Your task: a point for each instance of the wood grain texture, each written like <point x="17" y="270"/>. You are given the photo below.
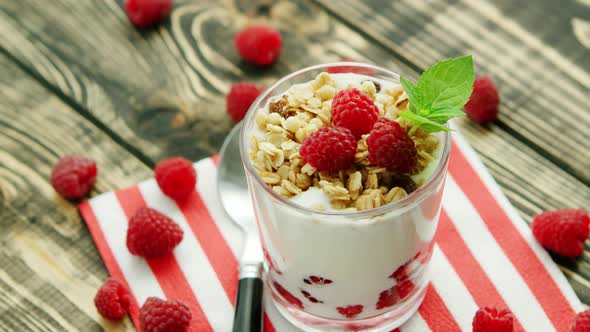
<point x="535" y="53"/>
<point x="49" y="267"/>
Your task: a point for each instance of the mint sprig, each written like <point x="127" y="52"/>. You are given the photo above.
<point x="439" y="95"/>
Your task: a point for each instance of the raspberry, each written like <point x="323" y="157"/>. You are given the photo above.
<point x="582" y="322"/>
<point x="176" y="177"/>
<point x="388" y="298"/>
<point x="73" y="176"/>
<point x="288" y="296"/>
<point x="354" y="110"/>
<point x="159" y="315"/>
<point x="317" y="280"/>
<point x="488" y="319"/>
<point x="112" y="299"/>
<point x="350" y="311"/>
<point x="259" y="44"/>
<point x="240" y="97"/>
<point x="144" y="13"/>
<point x="482" y="106"/>
<point x="562" y="231"/>
<point x="152" y="234"/>
<point x="329" y="149"/>
<point x="390" y="146"/>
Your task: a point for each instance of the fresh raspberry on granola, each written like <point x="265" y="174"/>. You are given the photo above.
<point x="562" y="231"/>
<point x="329" y="149"/>
<point x="240" y="97"/>
<point x="482" y="106"/>
<point x="488" y="319"/>
<point x="581" y="322"/>
<point x="390" y="146"/>
<point x="73" y="177"/>
<point x="144" y="13"/>
<point x="152" y="234"/>
<point x="176" y="177"/>
<point x="159" y="315"/>
<point x="354" y="110"/>
<point x="259" y="44"/>
<point x="112" y="299"/>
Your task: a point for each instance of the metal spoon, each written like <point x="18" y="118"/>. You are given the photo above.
<point x="235" y="198"/>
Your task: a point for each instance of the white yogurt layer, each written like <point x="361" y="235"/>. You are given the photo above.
<point x="358" y="255"/>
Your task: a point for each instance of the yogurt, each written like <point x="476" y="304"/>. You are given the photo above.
<point x="331" y="265"/>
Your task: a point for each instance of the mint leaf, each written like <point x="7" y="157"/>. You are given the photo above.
<point x="449" y="82"/>
<point x="444" y="114"/>
<point x="439" y="95"/>
<point x="422" y="122"/>
<point x="413" y="94"/>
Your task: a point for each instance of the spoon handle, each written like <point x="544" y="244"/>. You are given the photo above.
<point x="248" y="317"/>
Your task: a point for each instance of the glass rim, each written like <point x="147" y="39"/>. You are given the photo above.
<point x="397" y="205"/>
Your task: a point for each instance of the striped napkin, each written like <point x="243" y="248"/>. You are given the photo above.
<point x="485" y="255"/>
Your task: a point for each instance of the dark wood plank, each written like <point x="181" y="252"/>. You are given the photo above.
<point x="537" y="54"/>
<point x="49" y="267"/>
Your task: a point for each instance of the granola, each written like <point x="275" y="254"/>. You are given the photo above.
<point x="306" y="108"/>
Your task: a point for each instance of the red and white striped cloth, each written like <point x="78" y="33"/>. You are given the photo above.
<point x="485" y="255"/>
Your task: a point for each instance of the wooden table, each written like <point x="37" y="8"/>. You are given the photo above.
<point x="76" y="78"/>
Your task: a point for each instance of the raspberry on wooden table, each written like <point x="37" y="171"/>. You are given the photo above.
<point x="259" y="44"/>
<point x="152" y="234"/>
<point x="176" y="177"/>
<point x="329" y="149"/>
<point x="112" y="299"/>
<point x="482" y="106"/>
<point x="240" y="97"/>
<point x="73" y="176"/>
<point x="488" y="319"/>
<point x="562" y="231"/>
<point x="391" y="147"/>
<point x="354" y="110"/>
<point x="144" y="13"/>
<point x="581" y="322"/>
<point x="157" y="315"/>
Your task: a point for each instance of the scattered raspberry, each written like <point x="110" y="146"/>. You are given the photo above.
<point x="176" y="177"/>
<point x="350" y="311"/>
<point x="288" y="296"/>
<point x="240" y="97"/>
<point x="390" y="146"/>
<point x="73" y="177"/>
<point x="159" y="315"/>
<point x="582" y="322"/>
<point x="488" y="319"/>
<point x="351" y="69"/>
<point x="329" y="149"/>
<point x="260" y="45"/>
<point x="144" y="13"/>
<point x="152" y="234"/>
<point x="354" y="110"/>
<point x="562" y="231"/>
<point x="482" y="106"/>
<point x="112" y="299"/>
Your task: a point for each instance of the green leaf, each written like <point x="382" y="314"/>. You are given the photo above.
<point x="444" y="114"/>
<point x="449" y="82"/>
<point x="422" y="122"/>
<point x="413" y="94"/>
